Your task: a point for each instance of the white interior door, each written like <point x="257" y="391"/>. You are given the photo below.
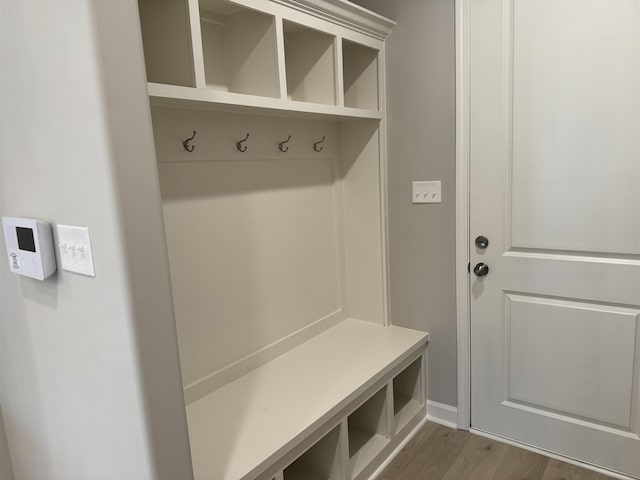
<point x="555" y="187"/>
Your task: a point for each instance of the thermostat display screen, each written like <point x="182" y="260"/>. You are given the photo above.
<point x="26" y="241"/>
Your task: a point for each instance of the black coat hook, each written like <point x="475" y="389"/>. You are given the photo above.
<point x="240" y="144"/>
<point x="281" y="145"/>
<point x="317" y="146"/>
<point x="187" y="143"/>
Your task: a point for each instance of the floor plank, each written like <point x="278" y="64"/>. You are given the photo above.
<point x="557" y="470"/>
<point x="478" y="460"/>
<point x="436" y="456"/>
<point x="441" y="453"/>
<point x="519" y="464"/>
<point x="406" y="454"/>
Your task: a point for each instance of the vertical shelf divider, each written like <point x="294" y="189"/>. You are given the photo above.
<point x="282" y="68"/>
<point x="196" y="44"/>
<point x="339" y="69"/>
<point x="391" y="429"/>
<point x="344" y="449"/>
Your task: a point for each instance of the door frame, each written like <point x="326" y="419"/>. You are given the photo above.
<point x="463" y="300"/>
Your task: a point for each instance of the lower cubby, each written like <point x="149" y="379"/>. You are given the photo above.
<point x="368" y="430"/>
<point x="323" y="461"/>
<point x="407" y="394"/>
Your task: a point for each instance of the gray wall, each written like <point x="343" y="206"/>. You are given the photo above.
<point x="90" y="386"/>
<point x="421" y="112"/>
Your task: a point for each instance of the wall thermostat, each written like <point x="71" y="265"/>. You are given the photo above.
<point x="29" y="247"/>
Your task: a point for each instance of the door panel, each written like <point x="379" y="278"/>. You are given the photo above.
<point x="593" y="379"/>
<point x="576" y="111"/>
<point x="555" y="168"/>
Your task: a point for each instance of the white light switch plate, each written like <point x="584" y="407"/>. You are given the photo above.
<point x="75" y="250"/>
<point x="427" y="192"/>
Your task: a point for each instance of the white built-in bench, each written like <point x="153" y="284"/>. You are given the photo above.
<point x="346" y="398"/>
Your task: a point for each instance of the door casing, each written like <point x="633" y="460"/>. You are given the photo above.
<point x="462" y="213"/>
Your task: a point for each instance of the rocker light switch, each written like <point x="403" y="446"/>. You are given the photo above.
<point x="75" y="250"/>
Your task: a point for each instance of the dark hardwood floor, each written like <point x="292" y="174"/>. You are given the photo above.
<point x="441" y="453"/>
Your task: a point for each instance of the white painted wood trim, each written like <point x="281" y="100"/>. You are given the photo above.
<point x="384" y="189"/>
<point x="280" y="55"/>
<point x="344" y="447"/>
<point x="345" y="14"/>
<point x="555" y="456"/>
<point x="198" y="98"/>
<point x="339" y="69"/>
<point x="442" y="414"/>
<point x="197" y="53"/>
<point x="398" y="449"/>
<point x="462" y="214"/>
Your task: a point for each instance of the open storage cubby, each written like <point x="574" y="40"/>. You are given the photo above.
<point x="166" y="36"/>
<point x="239" y="49"/>
<point x="407" y="394"/>
<point x="361" y="83"/>
<point x="368" y="432"/>
<point x="323" y="461"/>
<point x="310" y="64"/>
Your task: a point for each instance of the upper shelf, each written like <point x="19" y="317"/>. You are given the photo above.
<point x="256" y="55"/>
<point x="185" y="97"/>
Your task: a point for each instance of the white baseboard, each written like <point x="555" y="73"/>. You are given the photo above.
<point x="443" y="414"/>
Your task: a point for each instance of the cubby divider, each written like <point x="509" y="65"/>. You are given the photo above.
<point x="368" y="429"/>
<point x="407" y="394"/>
<point x="323" y="461"/>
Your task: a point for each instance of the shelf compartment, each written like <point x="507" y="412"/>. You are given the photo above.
<point x="321" y="462"/>
<point x="407" y="394"/>
<point x="166" y="37"/>
<point x="360" y="68"/>
<point x="239" y="49"/>
<point x="368" y="432"/>
<point x="310" y="64"/>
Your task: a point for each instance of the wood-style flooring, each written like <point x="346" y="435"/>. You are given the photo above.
<point x="440" y="453"/>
